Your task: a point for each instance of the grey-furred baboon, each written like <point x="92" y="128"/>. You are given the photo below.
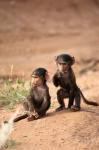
<point x="65" y="79"/>
<point x="38" y="101"/>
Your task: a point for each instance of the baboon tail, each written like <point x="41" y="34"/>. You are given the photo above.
<point x="20" y="117"/>
<point x="88" y="102"/>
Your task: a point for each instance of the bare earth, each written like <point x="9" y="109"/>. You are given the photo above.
<point x="31" y="35"/>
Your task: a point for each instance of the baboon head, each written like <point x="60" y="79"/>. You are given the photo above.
<point x="39" y="76"/>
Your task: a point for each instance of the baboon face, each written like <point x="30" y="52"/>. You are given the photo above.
<point x="63" y="67"/>
<point x="36" y="81"/>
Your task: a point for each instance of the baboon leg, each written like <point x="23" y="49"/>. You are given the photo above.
<point x="61" y="94"/>
<point x="71" y="99"/>
<point x="70" y="103"/>
<point x="44" y="107"/>
<point x="20" y="117"/>
<point x="77" y="99"/>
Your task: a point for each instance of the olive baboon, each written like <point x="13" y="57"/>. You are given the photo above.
<point x="38" y="101"/>
<point x="65" y="78"/>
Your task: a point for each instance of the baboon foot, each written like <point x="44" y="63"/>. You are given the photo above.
<point x="60" y="108"/>
<point x="75" y="108"/>
<point x="33" y="117"/>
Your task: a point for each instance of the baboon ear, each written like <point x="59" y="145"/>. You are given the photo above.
<point x="73" y="60"/>
<point x="47" y="76"/>
<point x="55" y="58"/>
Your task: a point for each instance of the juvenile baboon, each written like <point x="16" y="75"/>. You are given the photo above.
<point x="38" y="101"/>
<point x="65" y="78"/>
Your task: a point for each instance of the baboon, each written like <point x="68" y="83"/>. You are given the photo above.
<point x="66" y="80"/>
<point x="38" y="101"/>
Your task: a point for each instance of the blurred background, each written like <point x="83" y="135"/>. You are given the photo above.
<point x="33" y="32"/>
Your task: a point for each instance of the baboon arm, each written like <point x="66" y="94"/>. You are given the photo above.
<point x="28" y="103"/>
<point x="55" y="80"/>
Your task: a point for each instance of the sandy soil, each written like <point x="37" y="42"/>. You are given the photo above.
<point x="31" y="35"/>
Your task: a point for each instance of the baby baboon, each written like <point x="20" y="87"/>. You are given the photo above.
<point x="65" y="78"/>
<point x="38" y="101"/>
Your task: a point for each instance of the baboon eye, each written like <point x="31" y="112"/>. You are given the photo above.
<point x="60" y="63"/>
<point x="34" y="76"/>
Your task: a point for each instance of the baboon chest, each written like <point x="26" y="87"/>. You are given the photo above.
<point x="38" y="94"/>
<point x="64" y="80"/>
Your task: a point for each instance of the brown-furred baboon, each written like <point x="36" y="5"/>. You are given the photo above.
<point x="65" y="79"/>
<point x="38" y="101"/>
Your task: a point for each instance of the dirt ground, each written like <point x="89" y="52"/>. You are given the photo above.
<point x="32" y="33"/>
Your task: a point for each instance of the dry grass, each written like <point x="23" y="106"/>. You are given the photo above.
<point x="13" y="92"/>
